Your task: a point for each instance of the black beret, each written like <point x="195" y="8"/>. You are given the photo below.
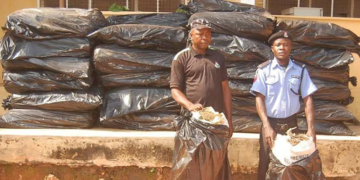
<point x="277" y="35"/>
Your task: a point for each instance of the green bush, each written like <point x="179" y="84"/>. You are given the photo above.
<point x="116" y="8"/>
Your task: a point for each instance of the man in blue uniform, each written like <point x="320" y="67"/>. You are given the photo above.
<point x="278" y="86"/>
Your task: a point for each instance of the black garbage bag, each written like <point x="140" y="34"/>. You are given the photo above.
<point x="49" y="23"/>
<point x="330" y="111"/>
<point x="240" y="88"/>
<point x="116" y="59"/>
<point x="72" y="66"/>
<point x="338" y="75"/>
<point x="223" y="6"/>
<point x="239" y="24"/>
<point x="149" y="121"/>
<point x="242" y="70"/>
<point x="33" y="118"/>
<point x="244" y="105"/>
<point x="235" y="48"/>
<point x="309" y="168"/>
<point x="16" y="48"/>
<point x="170" y="19"/>
<point x="153" y="79"/>
<point x="246" y="124"/>
<point x="321" y="57"/>
<point x="200" y="151"/>
<point x="331" y="91"/>
<point x="320" y="34"/>
<point x="163" y="38"/>
<point x="326" y="127"/>
<point x="122" y="101"/>
<point x="32" y="81"/>
<point x="57" y="100"/>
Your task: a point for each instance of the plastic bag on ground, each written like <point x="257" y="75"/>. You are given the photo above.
<point x="246" y="124"/>
<point x="116" y="59"/>
<point x="240" y="88"/>
<point x="163" y="38"/>
<point x="122" y="101"/>
<point x="58" y="100"/>
<point x="153" y="79"/>
<point x="200" y="151"/>
<point x="31" y="81"/>
<point x="32" y="118"/>
<point x="331" y="91"/>
<point x="16" y="48"/>
<point x="235" y="48"/>
<point x="170" y="19"/>
<point x="327" y="127"/>
<point x="321" y="57"/>
<point x="320" y="34"/>
<point x="48" y="23"/>
<point x="72" y="66"/>
<point x="149" y="121"/>
<point x="239" y="24"/>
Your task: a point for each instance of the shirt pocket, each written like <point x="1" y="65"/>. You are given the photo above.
<point x="271" y="84"/>
<point x="294" y="85"/>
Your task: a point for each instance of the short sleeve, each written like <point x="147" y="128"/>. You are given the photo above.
<point x="177" y="74"/>
<point x="259" y="85"/>
<point x="307" y="86"/>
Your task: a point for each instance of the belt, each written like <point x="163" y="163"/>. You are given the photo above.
<point x="281" y="125"/>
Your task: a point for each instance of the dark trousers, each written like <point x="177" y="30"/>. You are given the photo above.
<point x="280" y="126"/>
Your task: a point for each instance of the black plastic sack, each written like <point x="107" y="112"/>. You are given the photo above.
<point x="149" y="121"/>
<point x="153" y="79"/>
<point x="223" y="6"/>
<point x="331" y="91"/>
<point x="246" y="124"/>
<point x="200" y="151"/>
<point x="339" y="74"/>
<point x="49" y="23"/>
<point x="16" y="48"/>
<point x="170" y="19"/>
<point x="119" y="102"/>
<point x="240" y="88"/>
<point x="330" y="111"/>
<point x="32" y="118"/>
<point x="31" y="81"/>
<point x="306" y="169"/>
<point x="244" y="106"/>
<point x="235" y="48"/>
<point x="239" y="24"/>
<point x="116" y="59"/>
<point x="327" y="127"/>
<point x="321" y="57"/>
<point x="58" y="100"/>
<point x="242" y="70"/>
<point x="72" y="66"/>
<point x="164" y="38"/>
<point x="320" y="34"/>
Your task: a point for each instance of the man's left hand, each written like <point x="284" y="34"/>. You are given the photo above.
<point x="311" y="133"/>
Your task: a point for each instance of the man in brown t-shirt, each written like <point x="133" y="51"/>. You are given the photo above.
<point x="199" y="76"/>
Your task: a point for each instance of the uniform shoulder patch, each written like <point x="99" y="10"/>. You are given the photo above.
<point x="263" y="64"/>
<point x="302" y="65"/>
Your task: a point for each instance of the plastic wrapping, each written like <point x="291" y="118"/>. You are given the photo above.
<point x="48" y="23"/>
<point x="149" y="121"/>
<point x="170" y="19"/>
<point x="29" y="81"/>
<point x="200" y="151"/>
<point x="320" y="34"/>
<point x="72" y="66"/>
<point x="58" y="100"/>
<point x="244" y="106"/>
<point x="242" y="70"/>
<point x="246" y="124"/>
<point x="16" y="48"/>
<point x="164" y="38"/>
<point x="154" y="79"/>
<point x="240" y="88"/>
<point x="32" y="118"/>
<point x="235" y="48"/>
<point x="331" y="91"/>
<point x="321" y="57"/>
<point x="239" y="24"/>
<point x="119" y="102"/>
<point x="309" y="168"/>
<point x="116" y="59"/>
<point x="327" y="127"/>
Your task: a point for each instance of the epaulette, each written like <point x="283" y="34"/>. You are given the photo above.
<point x="302" y="65"/>
<point x="263" y="64"/>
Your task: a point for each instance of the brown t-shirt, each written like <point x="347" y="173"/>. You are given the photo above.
<point x="199" y="77"/>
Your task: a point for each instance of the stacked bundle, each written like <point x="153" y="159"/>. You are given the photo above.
<point x="46" y="56"/>
<point x="134" y="57"/>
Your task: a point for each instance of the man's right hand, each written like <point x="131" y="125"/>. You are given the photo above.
<point x="195" y="107"/>
<point x="269" y="136"/>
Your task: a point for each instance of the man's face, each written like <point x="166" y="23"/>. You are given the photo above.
<point x="201" y="38"/>
<point x="282" y="48"/>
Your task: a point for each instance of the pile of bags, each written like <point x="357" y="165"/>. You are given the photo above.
<point x="48" y="69"/>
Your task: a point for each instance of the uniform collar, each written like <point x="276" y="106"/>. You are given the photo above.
<point x="194" y="53"/>
<point x="275" y="64"/>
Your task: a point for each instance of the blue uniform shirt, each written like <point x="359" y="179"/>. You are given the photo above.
<point x="276" y="84"/>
